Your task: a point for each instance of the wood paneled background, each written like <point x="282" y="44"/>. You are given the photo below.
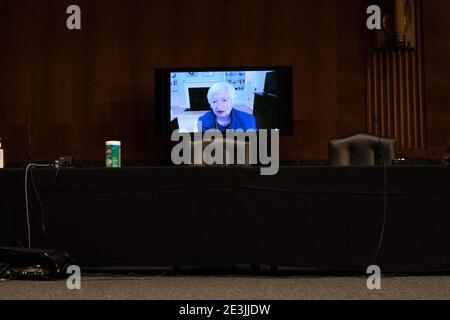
<point x="80" y="88"/>
<point x="436" y="16"/>
<point x="395" y="80"/>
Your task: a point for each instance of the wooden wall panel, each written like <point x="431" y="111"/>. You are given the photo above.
<point x="80" y="88"/>
<point x="436" y="16"/>
<point x="395" y="100"/>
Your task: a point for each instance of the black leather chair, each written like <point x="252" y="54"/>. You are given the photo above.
<point x="361" y="150"/>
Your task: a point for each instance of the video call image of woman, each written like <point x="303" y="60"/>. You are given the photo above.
<point x="222" y="115"/>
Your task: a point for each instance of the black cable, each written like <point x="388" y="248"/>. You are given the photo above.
<point x="52" y="187"/>
<point x="13" y="235"/>
<point x="40" y="205"/>
<point x="26" y="198"/>
<point x="383" y="228"/>
<point x="52" y="182"/>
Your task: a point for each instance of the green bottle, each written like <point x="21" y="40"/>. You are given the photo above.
<point x="113" y="155"/>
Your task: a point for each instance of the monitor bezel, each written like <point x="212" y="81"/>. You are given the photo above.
<point x="163" y="91"/>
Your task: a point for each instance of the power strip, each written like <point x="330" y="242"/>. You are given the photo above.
<point x="31" y="273"/>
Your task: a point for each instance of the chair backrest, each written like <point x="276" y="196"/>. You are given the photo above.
<point x="239" y="148"/>
<point x="361" y="150"/>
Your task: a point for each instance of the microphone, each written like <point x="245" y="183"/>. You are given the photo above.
<point x="379" y="153"/>
<point x="29" y="139"/>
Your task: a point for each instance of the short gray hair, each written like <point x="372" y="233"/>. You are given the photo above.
<point x="219" y="87"/>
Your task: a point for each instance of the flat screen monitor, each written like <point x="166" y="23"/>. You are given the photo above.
<point x="247" y="98"/>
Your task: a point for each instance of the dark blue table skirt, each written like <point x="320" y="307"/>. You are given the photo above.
<point x="317" y="218"/>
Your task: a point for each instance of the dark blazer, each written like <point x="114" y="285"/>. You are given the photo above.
<point x="239" y="120"/>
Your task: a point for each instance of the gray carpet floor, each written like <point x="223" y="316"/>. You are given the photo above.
<point x="226" y="288"/>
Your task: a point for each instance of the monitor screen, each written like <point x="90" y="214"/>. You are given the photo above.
<point x="199" y="99"/>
